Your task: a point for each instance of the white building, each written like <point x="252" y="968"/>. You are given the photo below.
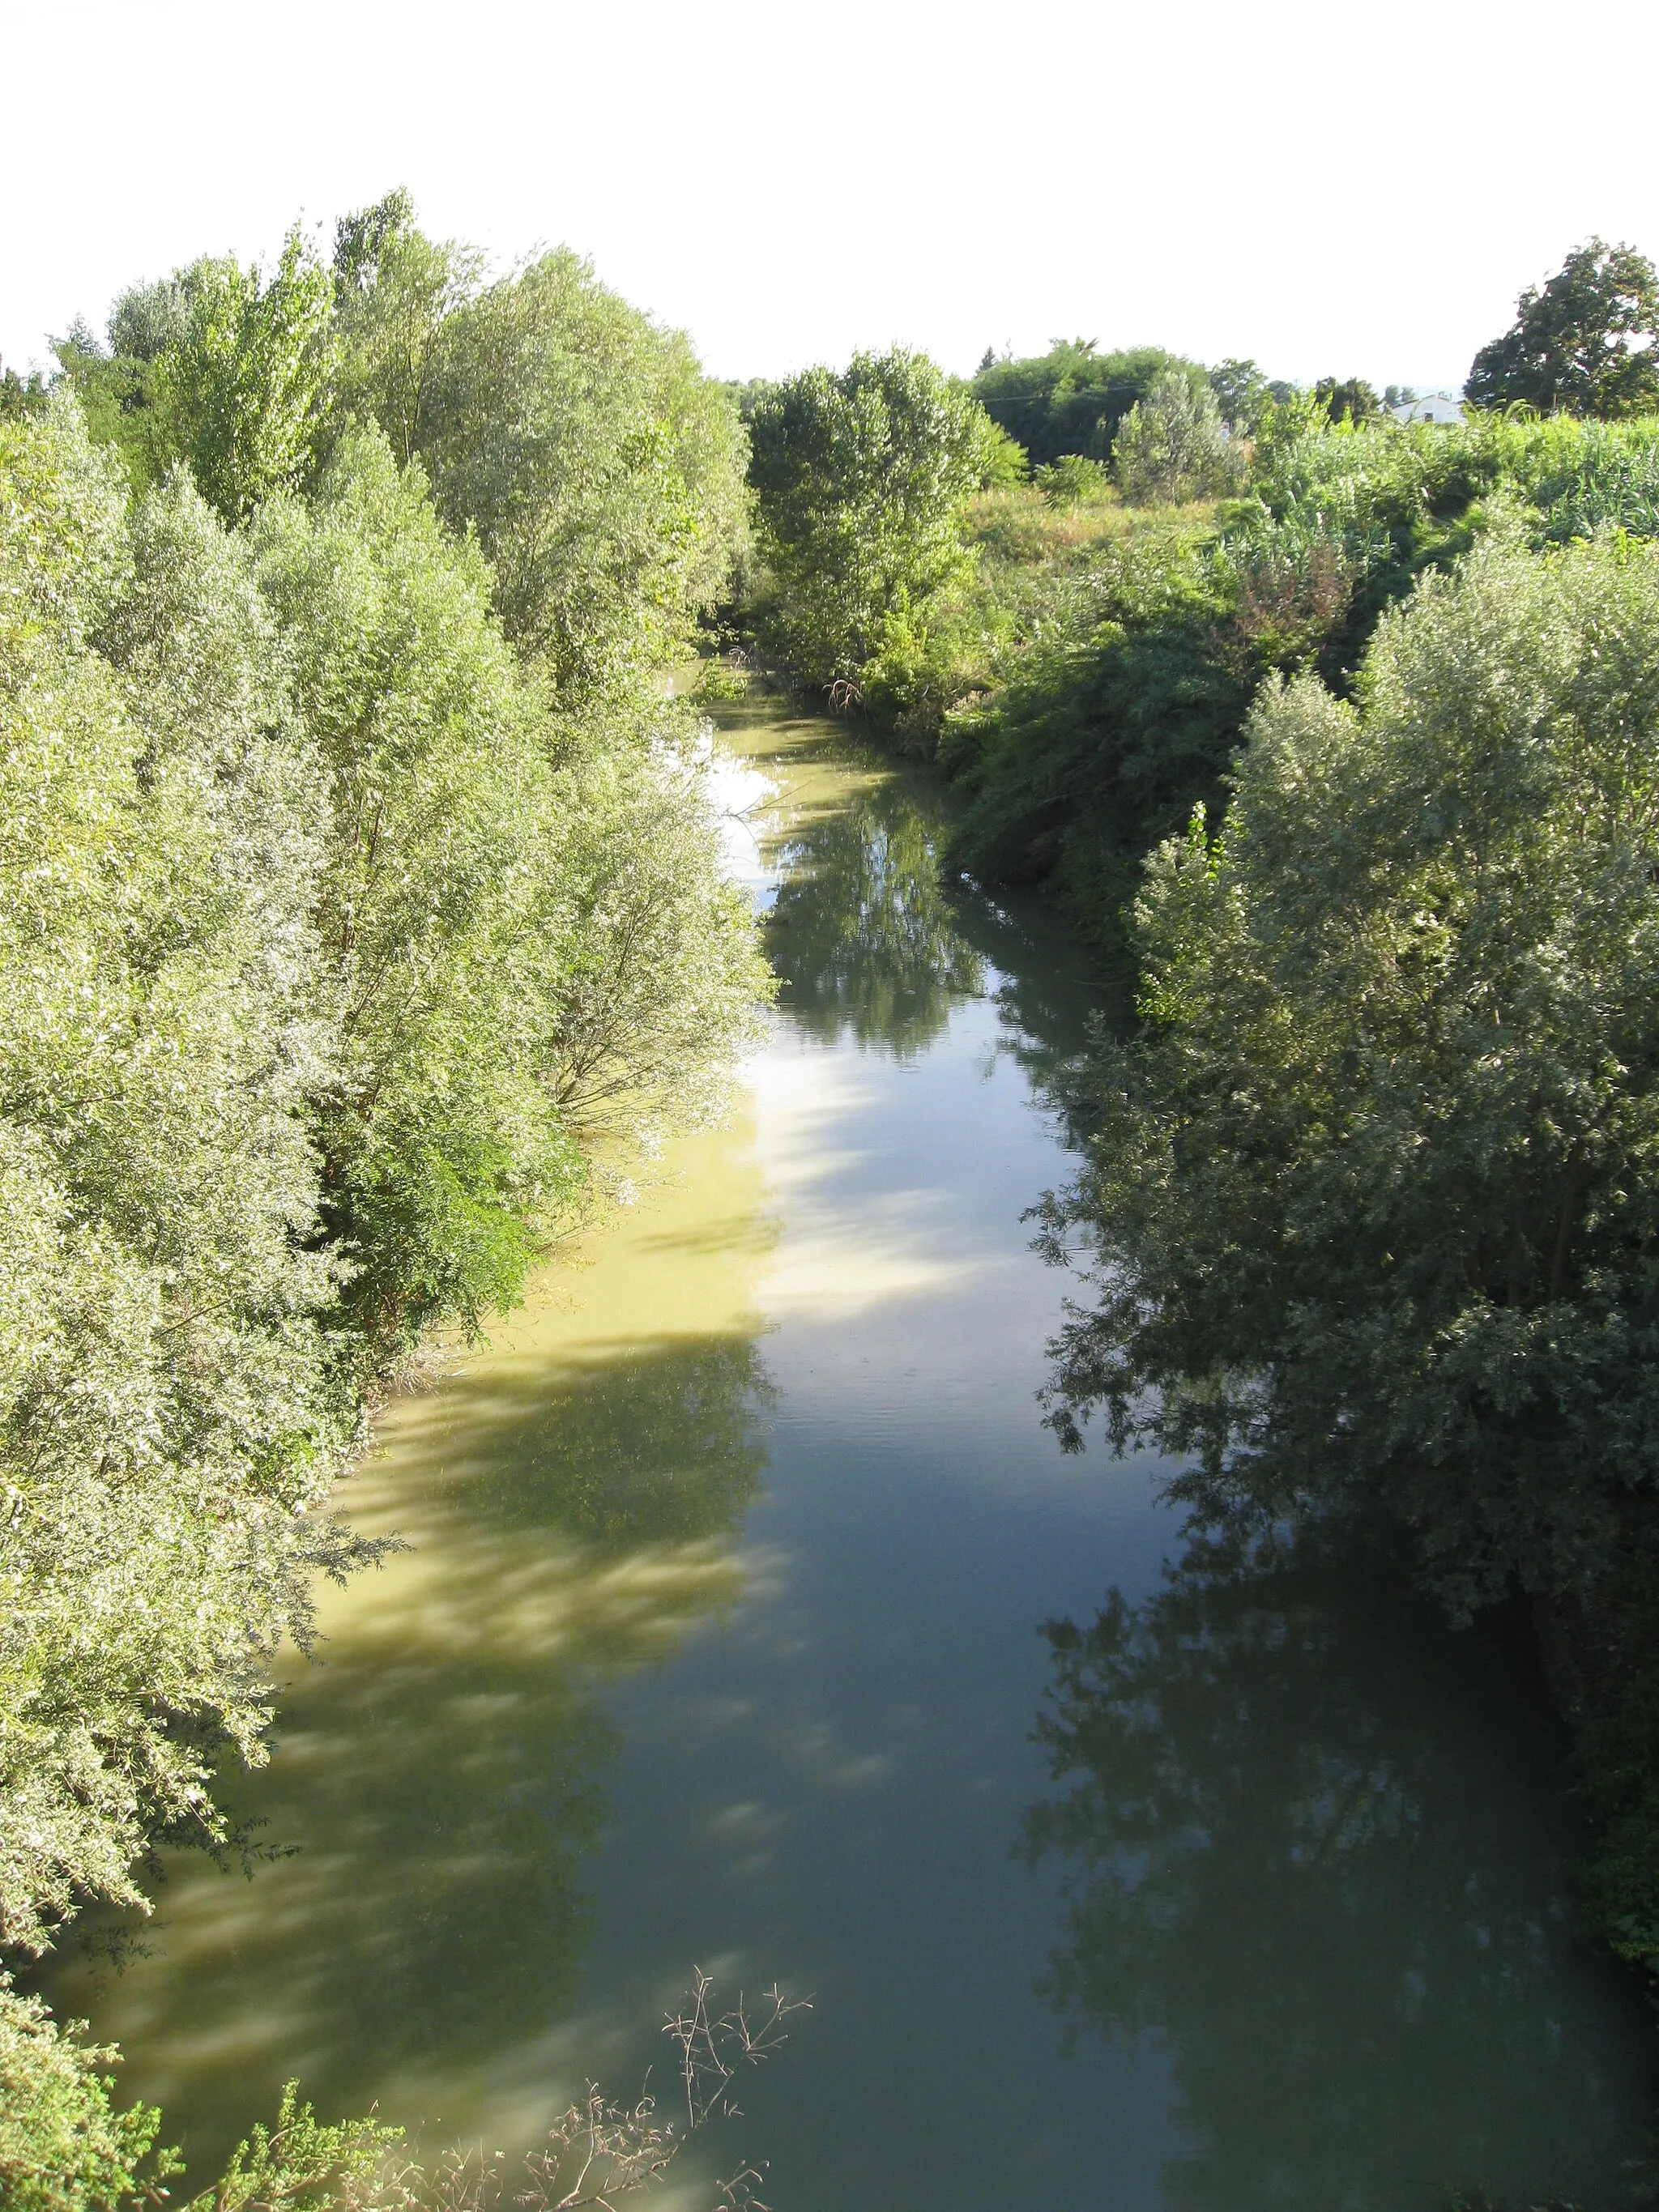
<point x="1430" y="407"/>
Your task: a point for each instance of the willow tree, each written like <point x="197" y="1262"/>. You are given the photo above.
<point x="602" y="471"/>
<point x="1371" y="1200"/>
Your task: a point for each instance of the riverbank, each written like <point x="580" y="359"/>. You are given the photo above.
<point x="721" y="1640"/>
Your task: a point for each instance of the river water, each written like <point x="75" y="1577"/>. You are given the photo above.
<point x="722" y="1640"/>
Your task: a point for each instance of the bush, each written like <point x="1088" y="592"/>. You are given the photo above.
<point x="1074" y="481"/>
<point x="1172" y="446"/>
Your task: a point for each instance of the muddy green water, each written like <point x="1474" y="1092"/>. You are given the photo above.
<point x="720" y="1641"/>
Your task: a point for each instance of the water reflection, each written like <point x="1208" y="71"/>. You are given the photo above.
<point x="1306" y="1843"/>
<point x="638" y="1444"/>
<point x="862" y="931"/>
<point x="440" y="1779"/>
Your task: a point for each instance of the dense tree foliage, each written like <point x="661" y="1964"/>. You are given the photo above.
<point x="1073" y="398"/>
<point x="1404" y="1077"/>
<point x="361" y="883"/>
<point x="861" y="479"/>
<point x="1584" y="345"/>
<point x="1348" y="398"/>
<point x="1369" y="1200"/>
<point x="1172" y="445"/>
<point x="602" y="471"/>
<point x="1085" y="723"/>
<point x="1243" y="394"/>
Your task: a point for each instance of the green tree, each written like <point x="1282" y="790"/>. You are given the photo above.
<point x="1173" y="446"/>
<point x="167" y="1404"/>
<point x="1347" y="399"/>
<point x="244" y="375"/>
<point x="1241" y="393"/>
<point x="441" y="1151"/>
<point x="1073" y="398"/>
<point x="1074" y="481"/>
<point x="602" y="471"/>
<point x="518" y="940"/>
<point x="394" y="289"/>
<point x="1371" y="1193"/>
<point x="20" y="395"/>
<point x="1583" y="345"/>
<point x="860" y="480"/>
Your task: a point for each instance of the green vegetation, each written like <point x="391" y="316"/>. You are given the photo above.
<point x="1370" y="1197"/>
<point x="362" y="887"/>
<point x="861" y="481"/>
<point x="64" y="2148"/>
<point x="1171" y="445"/>
<point x="1073" y="398"/>
<point x="365" y="894"/>
<point x="1083" y="668"/>
<point x="1569" y="349"/>
<point x="1368" y="1201"/>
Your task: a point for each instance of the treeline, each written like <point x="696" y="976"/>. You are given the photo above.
<point x="1340" y="733"/>
<point x="362" y="892"/>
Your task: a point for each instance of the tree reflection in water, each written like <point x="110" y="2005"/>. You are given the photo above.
<point x="1309" y="1840"/>
<point x="439" y="1778"/>
<point x="862" y="932"/>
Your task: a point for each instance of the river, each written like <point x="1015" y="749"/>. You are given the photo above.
<point x="722" y="1640"/>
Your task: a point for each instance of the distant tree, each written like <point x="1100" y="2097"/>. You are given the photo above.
<point x="146" y="318"/>
<point x="861" y="479"/>
<point x="1347" y="399"/>
<point x="20" y="395"/>
<point x="1584" y="345"/>
<point x="1241" y="393"/>
<point x="1173" y="445"/>
<point x="1071" y="399"/>
<point x="118" y="385"/>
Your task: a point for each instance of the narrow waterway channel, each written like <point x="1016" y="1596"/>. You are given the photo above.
<point x="720" y="1641"/>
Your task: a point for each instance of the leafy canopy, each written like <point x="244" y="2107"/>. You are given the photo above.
<point x="1172" y="446"/>
<point x="602" y="472"/>
<point x="1583" y="345"/>
<point x="1073" y="398"/>
<point x="860" y="481"/>
<point x="1373" y="1195"/>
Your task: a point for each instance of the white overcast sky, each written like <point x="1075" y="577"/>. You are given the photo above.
<point x="1329" y="188"/>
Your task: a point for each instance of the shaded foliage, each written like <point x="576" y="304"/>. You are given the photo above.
<point x="1368" y="1207"/>
<point x="361" y="884"/>
<point x="1073" y="398"/>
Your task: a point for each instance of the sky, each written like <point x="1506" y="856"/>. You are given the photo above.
<point x="1329" y="191"/>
